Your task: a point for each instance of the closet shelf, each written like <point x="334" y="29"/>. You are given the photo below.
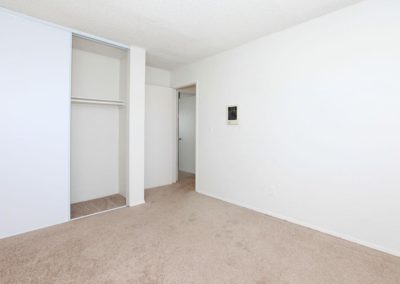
<point x="97" y="101"/>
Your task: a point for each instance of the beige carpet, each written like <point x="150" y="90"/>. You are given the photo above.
<point x="182" y="176"/>
<point x="180" y="236"/>
<point x="97" y="205"/>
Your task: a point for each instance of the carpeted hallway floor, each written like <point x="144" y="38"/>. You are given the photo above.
<point x="180" y="236"/>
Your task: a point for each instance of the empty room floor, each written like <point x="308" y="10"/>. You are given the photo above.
<point x="180" y="236"/>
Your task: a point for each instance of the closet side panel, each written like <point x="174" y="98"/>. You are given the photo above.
<point x="34" y="125"/>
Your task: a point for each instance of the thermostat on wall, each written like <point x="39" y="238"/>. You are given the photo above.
<point x="233" y="115"/>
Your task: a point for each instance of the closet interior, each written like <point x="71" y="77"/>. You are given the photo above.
<point x="99" y="127"/>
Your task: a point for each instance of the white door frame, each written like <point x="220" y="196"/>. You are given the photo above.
<point x="196" y="83"/>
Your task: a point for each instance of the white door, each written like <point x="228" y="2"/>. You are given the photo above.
<point x="187" y="133"/>
<point x="35" y="73"/>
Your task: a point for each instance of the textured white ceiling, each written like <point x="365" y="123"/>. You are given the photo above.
<point x="177" y="32"/>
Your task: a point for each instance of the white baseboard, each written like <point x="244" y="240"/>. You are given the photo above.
<point x="69" y="220"/>
<point x="187" y="171"/>
<point x="101" y="212"/>
<point x="136" y="202"/>
<point x="314" y="227"/>
<point x="33" y="229"/>
<point x="161" y="185"/>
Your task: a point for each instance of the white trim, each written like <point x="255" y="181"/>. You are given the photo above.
<point x="69" y="133"/>
<point x="33" y="230"/>
<point x="177" y="94"/>
<point x="136" y="203"/>
<point x="70" y="220"/>
<point x="101" y="212"/>
<point x="98" y="39"/>
<point x="160" y="186"/>
<point x="73" y="31"/>
<point x="310" y="226"/>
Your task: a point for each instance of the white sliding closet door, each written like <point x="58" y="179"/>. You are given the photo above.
<point x="35" y="62"/>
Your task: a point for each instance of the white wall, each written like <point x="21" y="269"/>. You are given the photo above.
<point x="95" y="76"/>
<point x="187" y="133"/>
<point x="94" y="151"/>
<point x="34" y="125"/>
<point x="161" y="129"/>
<point x="318" y="140"/>
<point x="160" y="136"/>
<point x="158" y="77"/>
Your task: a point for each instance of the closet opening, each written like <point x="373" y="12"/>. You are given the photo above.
<point x="99" y="127"/>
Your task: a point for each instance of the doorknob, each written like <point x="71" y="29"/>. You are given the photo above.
<point x="180" y="139"/>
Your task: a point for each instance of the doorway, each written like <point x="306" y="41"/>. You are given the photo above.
<point x="187" y="135"/>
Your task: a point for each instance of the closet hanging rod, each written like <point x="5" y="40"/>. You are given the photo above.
<point x="97" y="101"/>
